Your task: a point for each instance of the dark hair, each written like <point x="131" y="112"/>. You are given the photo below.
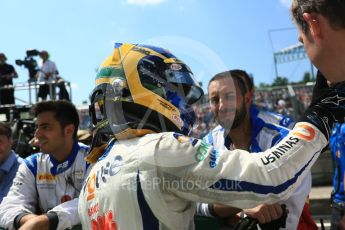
<point x="65" y="113"/>
<point x="244" y="75"/>
<point x="3" y="56"/>
<point x="234" y="74"/>
<point x="5" y="130"/>
<point x="332" y="10"/>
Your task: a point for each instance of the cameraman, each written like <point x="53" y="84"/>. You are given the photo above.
<point x="47" y="74"/>
<point x="7" y="73"/>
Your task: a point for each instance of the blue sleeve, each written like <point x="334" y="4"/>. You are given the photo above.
<point x="31" y="163"/>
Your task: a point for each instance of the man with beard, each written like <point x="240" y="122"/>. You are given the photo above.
<point x="45" y="191"/>
<point x="242" y="126"/>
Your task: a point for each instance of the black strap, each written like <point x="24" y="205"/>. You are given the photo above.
<point x="16" y="222"/>
<point x="53" y="220"/>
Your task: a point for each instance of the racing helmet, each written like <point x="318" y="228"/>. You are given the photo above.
<point x="143" y="89"/>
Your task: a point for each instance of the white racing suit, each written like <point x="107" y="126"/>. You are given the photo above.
<point x="43" y="185"/>
<point x="264" y="136"/>
<point x="153" y="182"/>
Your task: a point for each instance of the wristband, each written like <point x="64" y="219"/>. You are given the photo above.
<point x="211" y="210"/>
<point x="53" y="220"/>
<point x="16" y="222"/>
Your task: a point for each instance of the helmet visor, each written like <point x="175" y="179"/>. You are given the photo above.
<point x="187" y="85"/>
<point x="164" y="78"/>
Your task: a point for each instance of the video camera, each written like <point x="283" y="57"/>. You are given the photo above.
<point x="25" y="130"/>
<point x="30" y="63"/>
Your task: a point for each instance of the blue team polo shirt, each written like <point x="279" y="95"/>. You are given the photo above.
<point x="8" y="171"/>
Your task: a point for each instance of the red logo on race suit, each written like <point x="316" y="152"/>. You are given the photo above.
<point x="104" y="222"/>
<point x="65" y="198"/>
<point x="93" y="209"/>
<point x="304" y="132"/>
<point x="307" y="134"/>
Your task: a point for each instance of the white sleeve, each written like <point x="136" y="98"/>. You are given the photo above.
<point x="49" y="67"/>
<point x="21" y="198"/>
<point x="202" y="209"/>
<point x="195" y="171"/>
<point x="67" y="213"/>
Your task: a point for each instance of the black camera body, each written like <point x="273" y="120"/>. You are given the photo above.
<point x="25" y="131"/>
<point x="30" y="63"/>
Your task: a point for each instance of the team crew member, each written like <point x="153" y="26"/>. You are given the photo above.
<point x="45" y="191"/>
<point x="147" y="178"/>
<point x="248" y="131"/>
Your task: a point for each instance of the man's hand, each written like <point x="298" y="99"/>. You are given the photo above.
<point x="225" y="211"/>
<point x="38" y="222"/>
<point x="265" y="213"/>
<point x="328" y="105"/>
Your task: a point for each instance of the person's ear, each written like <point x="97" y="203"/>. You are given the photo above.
<point x="69" y="129"/>
<point x="314" y="23"/>
<point x="248" y="98"/>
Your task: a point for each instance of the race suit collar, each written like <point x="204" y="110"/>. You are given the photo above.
<point x="59" y="167"/>
<point x="107" y="149"/>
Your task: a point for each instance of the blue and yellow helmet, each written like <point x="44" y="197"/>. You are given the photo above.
<point x="142" y="89"/>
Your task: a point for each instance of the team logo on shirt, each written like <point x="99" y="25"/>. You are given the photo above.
<point x="45" y="176"/>
<point x="333" y="100"/>
<point x="214" y="158"/>
<point x="202" y="151"/>
<point x="93" y="209"/>
<point x="104" y="222"/>
<point x="61" y="167"/>
<point x="107" y="170"/>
